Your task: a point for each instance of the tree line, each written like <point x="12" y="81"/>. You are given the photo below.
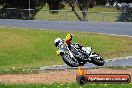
<point x="83" y="5"/>
<point x="53" y="4"/>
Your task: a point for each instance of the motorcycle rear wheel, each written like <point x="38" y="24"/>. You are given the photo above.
<point x="98" y="60"/>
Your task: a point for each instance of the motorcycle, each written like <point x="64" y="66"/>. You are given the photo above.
<point x="77" y="55"/>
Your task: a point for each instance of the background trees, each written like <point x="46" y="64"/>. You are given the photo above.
<point x="125" y="7"/>
<point x="83" y="5"/>
<point x="37" y="5"/>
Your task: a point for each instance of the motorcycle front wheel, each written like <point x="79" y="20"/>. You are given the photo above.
<point x="70" y="60"/>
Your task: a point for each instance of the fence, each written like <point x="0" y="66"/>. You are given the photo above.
<point x="65" y="15"/>
<point x="60" y="15"/>
<point x="14" y="13"/>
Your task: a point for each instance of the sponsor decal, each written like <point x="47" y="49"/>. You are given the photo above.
<point x="103" y="78"/>
<point x="109" y="78"/>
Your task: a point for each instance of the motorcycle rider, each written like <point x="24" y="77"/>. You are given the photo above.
<point x="69" y="38"/>
<point x="67" y="41"/>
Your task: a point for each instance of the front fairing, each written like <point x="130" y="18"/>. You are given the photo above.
<point x="61" y="49"/>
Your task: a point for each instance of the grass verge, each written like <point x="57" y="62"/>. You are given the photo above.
<point x="72" y="85"/>
<point x="21" y="47"/>
<point x="16" y="70"/>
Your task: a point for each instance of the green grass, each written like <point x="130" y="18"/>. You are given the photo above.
<point x="72" y="85"/>
<point x="93" y="15"/>
<point x="16" y="70"/>
<point x="103" y="9"/>
<point x="26" y="48"/>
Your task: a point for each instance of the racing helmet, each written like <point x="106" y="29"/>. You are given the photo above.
<point x="58" y="42"/>
<point x="69" y="37"/>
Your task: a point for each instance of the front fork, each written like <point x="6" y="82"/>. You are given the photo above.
<point x="71" y="55"/>
<point x="59" y="53"/>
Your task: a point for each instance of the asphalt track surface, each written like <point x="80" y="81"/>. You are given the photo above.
<point x="124" y="61"/>
<point x="98" y="27"/>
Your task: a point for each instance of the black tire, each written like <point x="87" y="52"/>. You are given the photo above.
<point x="98" y="62"/>
<point x="81" y="80"/>
<point x="68" y="62"/>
